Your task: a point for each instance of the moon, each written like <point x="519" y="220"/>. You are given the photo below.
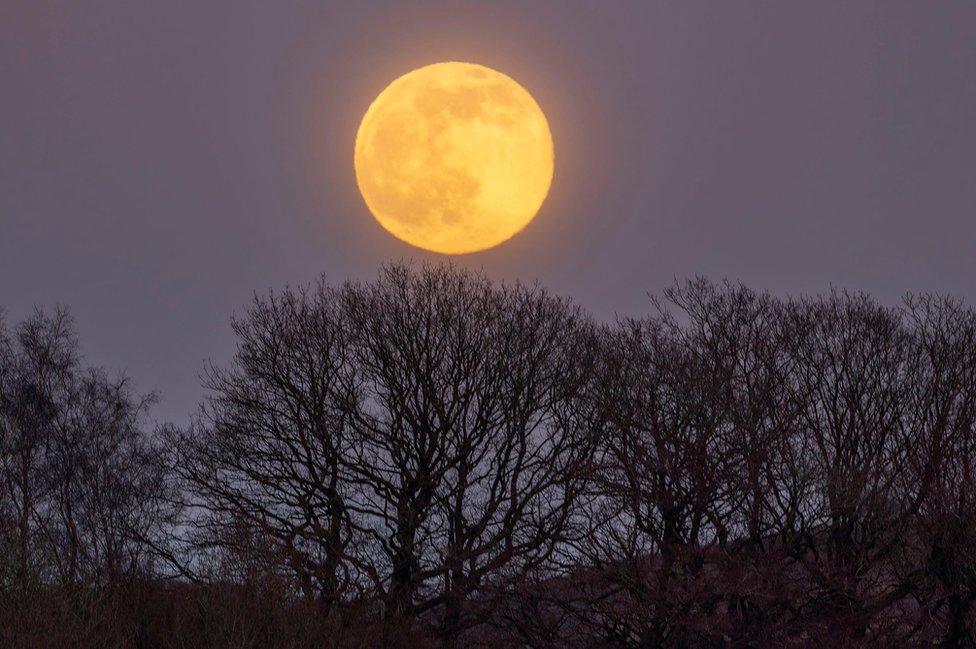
<point x="454" y="157"/>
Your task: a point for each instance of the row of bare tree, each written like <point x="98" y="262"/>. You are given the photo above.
<point x="433" y="455"/>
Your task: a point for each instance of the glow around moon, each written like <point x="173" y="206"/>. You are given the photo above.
<point x="454" y="157"/>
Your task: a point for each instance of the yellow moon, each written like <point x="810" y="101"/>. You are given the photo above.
<point x="454" y="157"/>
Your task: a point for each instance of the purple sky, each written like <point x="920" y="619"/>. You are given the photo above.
<point x="160" y="161"/>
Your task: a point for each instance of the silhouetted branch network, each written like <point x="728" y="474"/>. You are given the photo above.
<point x="434" y="459"/>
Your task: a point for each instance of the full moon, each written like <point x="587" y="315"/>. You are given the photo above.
<point x="454" y="157"/>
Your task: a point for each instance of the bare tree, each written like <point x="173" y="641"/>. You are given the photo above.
<point x="690" y="400"/>
<point x="107" y="482"/>
<point x="471" y="457"/>
<point x="266" y="459"/>
<point x="75" y="465"/>
<point x="413" y="435"/>
<point x="39" y="367"/>
<point x="939" y="561"/>
<point x="433" y="459"/>
<point x="851" y="379"/>
<point x="768" y="460"/>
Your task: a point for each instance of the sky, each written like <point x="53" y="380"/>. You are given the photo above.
<point x="160" y="162"/>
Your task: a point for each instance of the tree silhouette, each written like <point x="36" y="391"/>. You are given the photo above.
<point x="433" y="459"/>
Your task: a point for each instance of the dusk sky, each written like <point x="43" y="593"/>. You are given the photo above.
<point x="160" y="162"/>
